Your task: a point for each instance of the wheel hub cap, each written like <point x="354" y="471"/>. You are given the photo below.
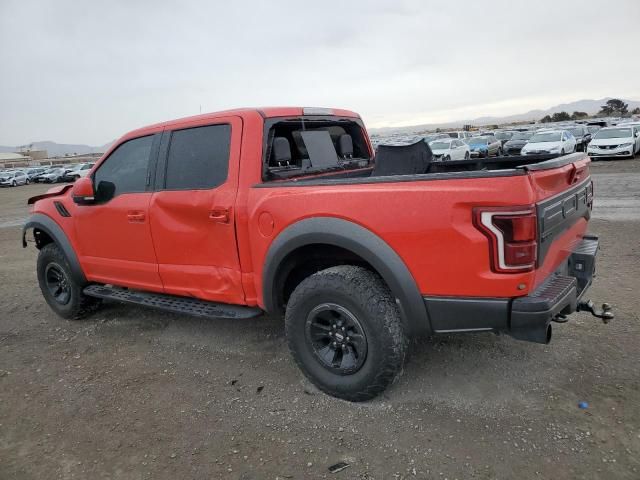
<point x="336" y="338"/>
<point x="57" y="283"/>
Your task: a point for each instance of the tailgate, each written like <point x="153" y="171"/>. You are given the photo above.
<point x="564" y="197"/>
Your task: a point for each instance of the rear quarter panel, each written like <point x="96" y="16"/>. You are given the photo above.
<point x="427" y="223"/>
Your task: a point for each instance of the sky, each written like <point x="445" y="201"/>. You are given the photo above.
<point x="87" y="72"/>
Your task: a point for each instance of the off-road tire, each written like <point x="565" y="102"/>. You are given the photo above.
<point x="364" y="294"/>
<point x="78" y="305"/>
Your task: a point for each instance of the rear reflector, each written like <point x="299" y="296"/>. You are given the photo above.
<point x="512" y="234"/>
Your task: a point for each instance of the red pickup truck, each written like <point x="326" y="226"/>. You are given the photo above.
<point x="290" y="211"/>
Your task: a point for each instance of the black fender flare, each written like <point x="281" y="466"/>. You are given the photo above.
<point x="360" y="241"/>
<point x="51" y="228"/>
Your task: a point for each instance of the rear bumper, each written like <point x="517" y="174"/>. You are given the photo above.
<point x="524" y="318"/>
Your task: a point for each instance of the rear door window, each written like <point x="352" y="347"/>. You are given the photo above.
<point x="198" y="158"/>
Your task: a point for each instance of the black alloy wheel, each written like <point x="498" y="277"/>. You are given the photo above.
<point x="336" y="338"/>
<point x="57" y="283"/>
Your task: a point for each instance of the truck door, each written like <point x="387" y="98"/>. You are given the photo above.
<point x="113" y="235"/>
<point x="192" y="210"/>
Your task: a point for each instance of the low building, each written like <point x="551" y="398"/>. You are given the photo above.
<point x="8" y="160"/>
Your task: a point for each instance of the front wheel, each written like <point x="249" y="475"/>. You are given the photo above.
<point x="27" y="181"/>
<point x="14" y="184"/>
<point x="344" y="331"/>
<point x="562" y="152"/>
<point x="466" y="155"/>
<point x="446" y="158"/>
<point x="62" y="293"/>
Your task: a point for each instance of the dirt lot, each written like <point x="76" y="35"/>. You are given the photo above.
<point x="134" y="393"/>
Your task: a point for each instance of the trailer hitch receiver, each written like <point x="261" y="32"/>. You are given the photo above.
<point x="605" y="314"/>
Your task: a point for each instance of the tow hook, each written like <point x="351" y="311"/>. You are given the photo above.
<point x="606" y="315"/>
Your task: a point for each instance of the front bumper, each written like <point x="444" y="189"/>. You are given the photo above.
<point x="525" y="318"/>
<point x="610" y="152"/>
<point x="479" y="153"/>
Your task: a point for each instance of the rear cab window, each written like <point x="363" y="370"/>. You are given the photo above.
<point x="312" y="145"/>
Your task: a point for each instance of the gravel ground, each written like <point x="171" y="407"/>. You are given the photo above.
<point x="135" y="393"/>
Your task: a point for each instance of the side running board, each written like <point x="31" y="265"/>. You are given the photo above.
<point x="172" y="303"/>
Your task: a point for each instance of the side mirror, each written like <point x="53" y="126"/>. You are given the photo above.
<point x="82" y="191"/>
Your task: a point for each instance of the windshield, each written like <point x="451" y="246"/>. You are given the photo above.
<point x="439" y="145"/>
<point x="521" y="136"/>
<point x="546" y="137"/>
<point x="613" y="133"/>
<point x="503" y="135"/>
<point x="431" y="138"/>
<point x="453" y="134"/>
<point x="577" y="132"/>
<point x="476" y="141"/>
<point x="593" y="128"/>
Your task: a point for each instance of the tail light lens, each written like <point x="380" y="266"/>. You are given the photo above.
<point x="512" y="234"/>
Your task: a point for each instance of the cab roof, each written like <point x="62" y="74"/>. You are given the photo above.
<point x="264" y="112"/>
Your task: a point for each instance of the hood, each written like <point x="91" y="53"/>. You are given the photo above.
<point x="543" y="145"/>
<point x="516" y="143"/>
<point x="612" y="141"/>
<point x="439" y="151"/>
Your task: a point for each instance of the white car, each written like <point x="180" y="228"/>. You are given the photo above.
<point x="445" y="149"/>
<point x="550" y="141"/>
<point x="13" y="178"/>
<point x="81" y="170"/>
<point x="460" y="134"/>
<point x="623" y="141"/>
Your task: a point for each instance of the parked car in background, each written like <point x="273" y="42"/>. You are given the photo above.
<point x="514" y="145"/>
<point x="450" y="149"/>
<point x="33" y="172"/>
<point x="79" y="171"/>
<point x="459" y="134"/>
<point x="52" y="175"/>
<point x="550" y="141"/>
<point x="484" y="146"/>
<point x="593" y="129"/>
<point x="615" y="142"/>
<point x="582" y="136"/>
<point x="14" y="178"/>
<point x="434" y="136"/>
<point x="504" y="137"/>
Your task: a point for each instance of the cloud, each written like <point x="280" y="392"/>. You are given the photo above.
<point x="88" y="71"/>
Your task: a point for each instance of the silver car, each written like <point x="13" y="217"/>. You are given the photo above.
<point x="13" y="179"/>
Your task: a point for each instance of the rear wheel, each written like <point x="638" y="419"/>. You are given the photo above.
<point x="27" y="181"/>
<point x="344" y="332"/>
<point x="58" y="287"/>
<point x="562" y="152"/>
<point x="14" y="184"/>
<point x="466" y="155"/>
<point x="446" y="158"/>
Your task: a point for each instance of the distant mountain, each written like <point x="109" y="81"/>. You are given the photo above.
<point x="589" y="106"/>
<point x="57" y="149"/>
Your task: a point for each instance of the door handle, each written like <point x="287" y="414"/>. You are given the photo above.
<point x="136" y="216"/>
<point x="220" y="214"/>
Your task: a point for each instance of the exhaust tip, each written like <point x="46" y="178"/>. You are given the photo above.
<point x="540" y="334"/>
<point x="549" y="334"/>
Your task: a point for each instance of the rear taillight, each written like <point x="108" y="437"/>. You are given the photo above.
<point x="512" y="234"/>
